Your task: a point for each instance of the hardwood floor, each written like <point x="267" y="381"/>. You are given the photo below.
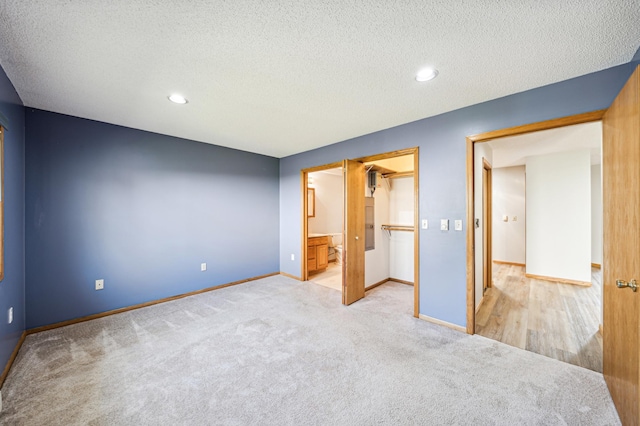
<point x="553" y="319"/>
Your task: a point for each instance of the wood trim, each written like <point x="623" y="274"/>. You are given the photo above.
<point x="471" y="286"/>
<point x="143" y="305"/>
<point x="570" y="120"/>
<point x="386" y="155"/>
<point x="496" y="134"/>
<point x="371" y="287"/>
<point x="443" y="323"/>
<point x="400" y="281"/>
<point x="284" y="274"/>
<point x="504" y="262"/>
<point x="304" y="175"/>
<point x="378" y="284"/>
<point x="12" y="358"/>
<point x="335" y="165"/>
<point x="416" y="235"/>
<point x="558" y="280"/>
<point x="596" y="265"/>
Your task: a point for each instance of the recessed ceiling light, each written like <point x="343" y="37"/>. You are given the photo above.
<point x="426" y="74"/>
<point x="178" y="99"/>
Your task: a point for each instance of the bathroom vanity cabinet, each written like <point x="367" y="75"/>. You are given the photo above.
<point x="317" y="254"/>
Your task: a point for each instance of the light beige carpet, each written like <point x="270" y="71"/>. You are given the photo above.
<point x="277" y="351"/>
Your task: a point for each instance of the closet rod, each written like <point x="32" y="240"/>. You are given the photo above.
<point x="390" y="228"/>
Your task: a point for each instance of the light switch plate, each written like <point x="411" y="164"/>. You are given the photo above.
<point x="203" y="267"/>
<point x="444" y="224"/>
<point x="425" y="224"/>
<point x="458" y="225"/>
<point x="505" y="218"/>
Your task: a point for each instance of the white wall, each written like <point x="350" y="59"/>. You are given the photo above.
<point x="401" y="243"/>
<point x="329" y="204"/>
<point x="508" y="198"/>
<point x="559" y="215"/>
<point x="481" y="150"/>
<point x="376" y="262"/>
<point x="596" y="214"/>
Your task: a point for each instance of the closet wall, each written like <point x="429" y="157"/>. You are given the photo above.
<point x="401" y="212"/>
<point x="376" y="261"/>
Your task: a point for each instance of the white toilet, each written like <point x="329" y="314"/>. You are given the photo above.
<point x="336" y="239"/>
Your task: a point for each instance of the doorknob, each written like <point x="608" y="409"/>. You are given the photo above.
<point x="633" y="285"/>
<point x="358" y="238"/>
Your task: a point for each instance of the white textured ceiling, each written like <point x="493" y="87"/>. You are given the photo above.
<point x="284" y="76"/>
<point x="514" y="150"/>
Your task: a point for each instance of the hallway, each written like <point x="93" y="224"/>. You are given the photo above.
<point x="556" y="320"/>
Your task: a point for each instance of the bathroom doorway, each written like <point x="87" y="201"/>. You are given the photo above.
<point x="325" y="189"/>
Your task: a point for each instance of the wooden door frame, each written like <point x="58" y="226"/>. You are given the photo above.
<point x="487" y="226"/>
<point x="304" y="174"/>
<point x="586" y="117"/>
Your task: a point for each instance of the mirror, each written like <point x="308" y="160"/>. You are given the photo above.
<point x="1" y="203"/>
<point x="311" y="202"/>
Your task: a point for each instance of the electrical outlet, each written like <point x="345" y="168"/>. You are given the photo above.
<point x="99" y="284"/>
<point x="10" y="315"/>
<point x="293" y="257"/>
<point x="458" y="225"/>
<point x="444" y="224"/>
<point x="425" y="224"/>
<point x="203" y="267"/>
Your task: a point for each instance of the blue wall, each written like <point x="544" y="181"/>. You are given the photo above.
<point x="12" y="286"/>
<point x="140" y="210"/>
<point x="442" y="144"/>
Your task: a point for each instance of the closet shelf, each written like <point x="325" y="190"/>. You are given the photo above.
<point x="390" y="228"/>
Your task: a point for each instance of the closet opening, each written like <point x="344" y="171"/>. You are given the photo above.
<point x="359" y="222"/>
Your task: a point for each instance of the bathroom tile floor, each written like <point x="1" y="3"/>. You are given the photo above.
<point x="331" y="278"/>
